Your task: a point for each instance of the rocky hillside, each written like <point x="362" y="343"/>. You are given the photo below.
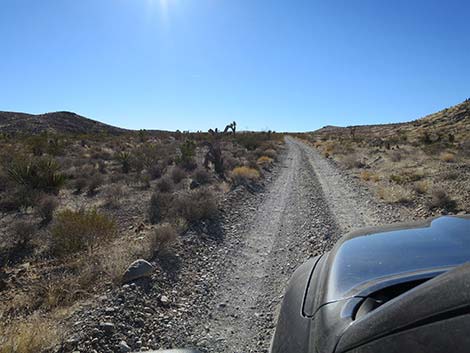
<point x="57" y="122"/>
<point x="423" y="164"/>
<point x="454" y="120"/>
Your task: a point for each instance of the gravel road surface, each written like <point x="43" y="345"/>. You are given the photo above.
<point x="226" y="295"/>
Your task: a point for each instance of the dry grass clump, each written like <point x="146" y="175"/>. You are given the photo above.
<point x="265" y="161"/>
<point x="76" y="231"/>
<point x="447" y="157"/>
<point x="32" y="335"/>
<point x="394" y="194"/>
<point x="113" y="195"/>
<point x="369" y="176"/>
<point x="352" y="161"/>
<point x="421" y="187"/>
<point x="244" y="175"/>
<point x="164" y="237"/>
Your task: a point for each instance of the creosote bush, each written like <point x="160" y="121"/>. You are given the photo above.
<point x="165" y="185"/>
<point x="75" y="231"/>
<point x="440" y="199"/>
<point x="196" y="205"/>
<point x="202" y="176"/>
<point x="159" y="206"/>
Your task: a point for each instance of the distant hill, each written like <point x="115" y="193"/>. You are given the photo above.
<point x="454" y="120"/>
<point x="57" y="122"/>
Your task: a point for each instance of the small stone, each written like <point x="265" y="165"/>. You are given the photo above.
<point x="164" y="300"/>
<point x="123" y="347"/>
<point x="107" y="327"/>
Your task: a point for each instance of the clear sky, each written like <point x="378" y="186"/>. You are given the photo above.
<point x="195" y="64"/>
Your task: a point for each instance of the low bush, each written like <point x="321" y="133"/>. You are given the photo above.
<point x="244" y="175"/>
<point x="441" y="199"/>
<point x="353" y="161"/>
<point x="80" y="184"/>
<point x="94" y="182"/>
<point x="45" y="207"/>
<point x="264" y="161"/>
<point x="159" y="206"/>
<point x="202" y="176"/>
<point x="369" y="176"/>
<point x="165" y="185"/>
<point x="178" y="174"/>
<point x="164" y="237"/>
<point x="113" y="195"/>
<point x="196" y="205"/>
<point x="23" y="232"/>
<point x="75" y="231"/>
<point x="421" y="187"/>
<point x="271" y="153"/>
<point x="155" y="172"/>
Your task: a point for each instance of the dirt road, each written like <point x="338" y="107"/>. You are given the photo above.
<point x="225" y="287"/>
<point x="308" y="206"/>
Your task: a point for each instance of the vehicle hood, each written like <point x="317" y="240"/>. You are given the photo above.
<point x="362" y="259"/>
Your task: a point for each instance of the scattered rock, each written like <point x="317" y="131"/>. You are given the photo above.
<point x="138" y="269"/>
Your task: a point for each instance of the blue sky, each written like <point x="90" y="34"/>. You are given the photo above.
<point x="195" y="64"/>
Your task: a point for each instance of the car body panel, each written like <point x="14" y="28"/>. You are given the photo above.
<point x="362" y="265"/>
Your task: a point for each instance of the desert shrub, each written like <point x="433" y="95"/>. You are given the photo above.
<point x="79" y="184"/>
<point x="113" y="195"/>
<point x="37" y="144"/>
<point x="441" y="199"/>
<point x="144" y="180"/>
<point x="202" y="176"/>
<point x="45" y="207"/>
<point x="271" y="153"/>
<point x="33" y="335"/>
<point x="75" y="231"/>
<point x="165" y="185"/>
<point x="250" y="141"/>
<point x="395" y="194"/>
<point x="164" y="237"/>
<point x="447" y="157"/>
<point x="36" y="174"/>
<point x="353" y="161"/>
<point x="155" y="172"/>
<point x="421" y="187"/>
<point x="23" y="232"/>
<point x="94" y="182"/>
<point x="230" y="163"/>
<point x="406" y="177"/>
<point x="159" y="206"/>
<point x="369" y="176"/>
<point x="395" y="156"/>
<point x="244" y="175"/>
<point x="196" y="205"/>
<point x="264" y="161"/>
<point x="178" y="174"/>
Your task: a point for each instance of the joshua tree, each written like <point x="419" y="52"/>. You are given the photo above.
<point x="232" y="126"/>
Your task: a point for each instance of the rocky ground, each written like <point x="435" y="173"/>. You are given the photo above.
<point x="222" y="289"/>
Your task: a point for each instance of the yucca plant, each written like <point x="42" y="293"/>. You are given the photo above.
<point x="125" y="159"/>
<point x="37" y="174"/>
